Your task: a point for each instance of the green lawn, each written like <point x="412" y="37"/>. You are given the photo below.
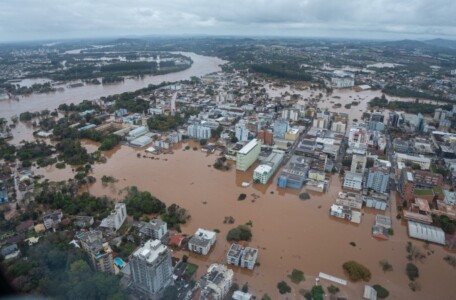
<point x="423" y="192"/>
<point x="191" y="268"/>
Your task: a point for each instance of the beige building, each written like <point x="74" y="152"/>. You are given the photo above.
<point x="248" y="155"/>
<point x="292" y="134"/>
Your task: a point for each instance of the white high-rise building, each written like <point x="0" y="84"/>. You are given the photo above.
<point x="242" y="133"/>
<point x="117" y="217"/>
<point x="290" y="114"/>
<point x="151" y="269"/>
<point x="199" y="132"/>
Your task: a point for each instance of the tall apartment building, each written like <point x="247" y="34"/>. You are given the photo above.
<point x="359" y="160"/>
<point x="98" y="250"/>
<point x="266" y="137"/>
<point x="280" y="128"/>
<point x="290" y="114"/>
<point x="199" y="132"/>
<point x="378" y="179"/>
<point x="241" y="132"/>
<point x="117" y="217"/>
<point x="248" y="155"/>
<point x="155" y="229"/>
<point x="407" y="184"/>
<point x="151" y="269"/>
<point x="339" y="126"/>
<point x="343" y="82"/>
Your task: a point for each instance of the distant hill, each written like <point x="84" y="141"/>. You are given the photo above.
<point x="442" y="43"/>
<point x="405" y="44"/>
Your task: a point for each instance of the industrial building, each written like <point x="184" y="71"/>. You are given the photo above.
<point x="248" y="155"/>
<point x="268" y="166"/>
<point x="426" y="232"/>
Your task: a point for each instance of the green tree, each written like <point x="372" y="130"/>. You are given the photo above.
<point x="382" y="293"/>
<point x="283" y="287"/>
<point x="412" y="271"/>
<point x="356" y="271"/>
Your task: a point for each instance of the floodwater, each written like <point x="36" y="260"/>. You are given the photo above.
<point x="342" y="96"/>
<point x="290" y="233"/>
<point x="202" y="65"/>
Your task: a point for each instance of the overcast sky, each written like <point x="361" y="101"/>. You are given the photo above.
<point x="377" y="19"/>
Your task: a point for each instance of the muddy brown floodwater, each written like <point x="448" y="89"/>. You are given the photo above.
<point x="202" y="65"/>
<point x="289" y="233"/>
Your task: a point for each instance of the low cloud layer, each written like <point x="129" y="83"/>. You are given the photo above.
<point x="381" y="19"/>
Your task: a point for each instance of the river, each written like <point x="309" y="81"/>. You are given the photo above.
<point x="202" y="65"/>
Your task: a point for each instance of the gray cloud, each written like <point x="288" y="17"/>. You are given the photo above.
<point x="390" y="19"/>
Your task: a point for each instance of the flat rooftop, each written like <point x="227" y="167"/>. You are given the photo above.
<point x="247" y="148"/>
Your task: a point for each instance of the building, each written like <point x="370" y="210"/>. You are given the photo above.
<point x="292" y="134"/>
<point x="345" y="212"/>
<point x="249" y="258"/>
<point x="117" y="217"/>
<point x="359" y="160"/>
<point x="266" y="169"/>
<point x="441" y="114"/>
<point x="248" y="155"/>
<point x="244" y="257"/>
<point x="83" y="221"/>
<point x="137" y="132"/>
<point x="341" y="79"/>
<point x="320" y="122"/>
<point x="202" y="241"/>
<point x="216" y="283"/>
<point x="98" y="250"/>
<point x="141" y="141"/>
<point x="233" y="257"/>
<point x="151" y="269"/>
<point x="4" y="196"/>
<point x="339" y="126"/>
<point x="280" y="128"/>
<point x="377" y="122"/>
<point x="426" y="179"/>
<point x="378" y="179"/>
<point x="266" y="136"/>
<point x="294" y="173"/>
<point x="351" y="200"/>
<point x="406" y="184"/>
<point x="449" y="197"/>
<point x="426" y="232"/>
<point x="290" y="114"/>
<point x="241" y="132"/>
<point x="353" y="181"/>
<point x="199" y="132"/>
<point x="52" y="219"/>
<point x="155" y="229"/>
<point x="425" y="163"/>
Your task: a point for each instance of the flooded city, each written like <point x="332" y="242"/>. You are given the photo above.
<point x="289" y="232"/>
<point x="300" y="145"/>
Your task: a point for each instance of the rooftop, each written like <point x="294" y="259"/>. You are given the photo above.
<point x="247" y="148"/>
